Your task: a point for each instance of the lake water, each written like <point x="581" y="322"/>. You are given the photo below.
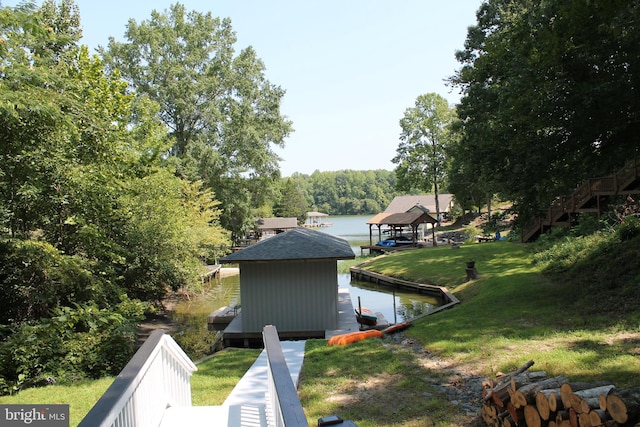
<point x="354" y="229"/>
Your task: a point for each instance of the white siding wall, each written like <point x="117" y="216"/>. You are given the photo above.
<point x="292" y="296"/>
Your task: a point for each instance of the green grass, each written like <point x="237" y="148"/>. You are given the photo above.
<point x="511" y="314"/>
<point x="210" y="385"/>
<point x="514" y="313"/>
<point x="80" y="396"/>
<point x="217" y="376"/>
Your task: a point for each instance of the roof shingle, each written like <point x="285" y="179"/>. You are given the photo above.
<point x="296" y="244"/>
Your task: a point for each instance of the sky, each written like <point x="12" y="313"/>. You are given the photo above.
<point x="350" y="68"/>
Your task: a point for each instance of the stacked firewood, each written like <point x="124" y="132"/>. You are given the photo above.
<point x="532" y="399"/>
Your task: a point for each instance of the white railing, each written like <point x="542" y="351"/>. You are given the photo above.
<point x="158" y="376"/>
<point x="283" y="403"/>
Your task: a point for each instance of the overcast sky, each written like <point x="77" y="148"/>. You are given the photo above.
<point x="350" y="68"/>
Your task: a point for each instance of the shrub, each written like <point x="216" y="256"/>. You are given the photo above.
<point x="35" y="278"/>
<point x="628" y="229"/>
<point x="74" y="343"/>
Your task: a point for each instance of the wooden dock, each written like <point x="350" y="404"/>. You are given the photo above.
<point x="212" y="271"/>
<point x="235" y="336"/>
<point x="437" y="291"/>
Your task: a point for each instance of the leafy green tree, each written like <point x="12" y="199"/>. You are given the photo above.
<point x="421" y="154"/>
<point x="549" y="96"/>
<point x="222" y="112"/>
<point x="292" y="202"/>
<point x="78" y="156"/>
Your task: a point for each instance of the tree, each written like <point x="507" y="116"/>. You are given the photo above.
<point x="78" y="154"/>
<point x="222" y="113"/>
<point x="549" y="96"/>
<point x="292" y="202"/>
<point x="421" y="154"/>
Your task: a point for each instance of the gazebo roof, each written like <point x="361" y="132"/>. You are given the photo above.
<point x="402" y="219"/>
<point x="296" y="244"/>
<point x="316" y="214"/>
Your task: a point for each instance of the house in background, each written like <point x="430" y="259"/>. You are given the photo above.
<point x="409" y="217"/>
<point x="289" y="281"/>
<point x="269" y="227"/>
<point x="426" y="202"/>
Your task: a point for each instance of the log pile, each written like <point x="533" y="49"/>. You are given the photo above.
<point x="532" y="399"/>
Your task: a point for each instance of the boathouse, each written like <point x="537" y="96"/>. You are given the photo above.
<point x="290" y="281"/>
<point x="397" y="224"/>
<point x="269" y="227"/>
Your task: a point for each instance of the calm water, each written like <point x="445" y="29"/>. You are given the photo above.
<point x="354" y="229"/>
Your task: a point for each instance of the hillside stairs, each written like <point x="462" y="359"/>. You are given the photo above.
<point x="593" y="195"/>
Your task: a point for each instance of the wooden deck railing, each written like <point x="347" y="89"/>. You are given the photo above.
<point x="156" y="377"/>
<point x="283" y="403"/>
<point x="582" y="198"/>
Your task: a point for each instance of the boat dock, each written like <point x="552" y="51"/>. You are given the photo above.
<point x="437" y="291"/>
<point x="234" y="336"/>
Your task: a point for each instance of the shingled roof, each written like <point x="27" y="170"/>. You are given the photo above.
<point x="404" y="203"/>
<point x="296" y="244"/>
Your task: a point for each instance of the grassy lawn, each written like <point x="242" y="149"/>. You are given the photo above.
<point x="80" y="397"/>
<point x="511" y="314"/>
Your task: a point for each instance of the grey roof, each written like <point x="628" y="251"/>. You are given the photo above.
<point x="401" y="204"/>
<point x="296" y="244"/>
<point x="277" y="223"/>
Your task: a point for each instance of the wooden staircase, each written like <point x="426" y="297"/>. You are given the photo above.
<point x="591" y="196"/>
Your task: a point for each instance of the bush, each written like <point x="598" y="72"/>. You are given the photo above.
<point x="471" y="232"/>
<point x="628" y="229"/>
<point x="587" y="224"/>
<point x="35" y="278"/>
<point x="74" y="343"/>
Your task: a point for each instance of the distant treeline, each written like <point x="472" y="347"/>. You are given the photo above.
<point x="347" y="192"/>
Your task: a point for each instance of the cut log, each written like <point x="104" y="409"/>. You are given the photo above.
<point x="567" y="389"/>
<point x="595" y="391"/>
<point x="589" y="404"/>
<point x="553" y="401"/>
<point x="584" y="420"/>
<point x="598" y="417"/>
<point x="516" y="415"/>
<point x="622" y="410"/>
<point x="532" y="416"/>
<point x="525" y="378"/>
<point x="542" y="403"/>
<point x="505" y="382"/>
<point x="549" y="383"/>
<point x="519" y="400"/>
<point x="573" y="417"/>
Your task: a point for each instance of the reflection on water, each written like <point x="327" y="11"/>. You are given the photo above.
<point x="379" y="298"/>
<point x="222" y="291"/>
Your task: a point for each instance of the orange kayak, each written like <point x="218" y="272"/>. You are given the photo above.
<point x="345" y="339"/>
